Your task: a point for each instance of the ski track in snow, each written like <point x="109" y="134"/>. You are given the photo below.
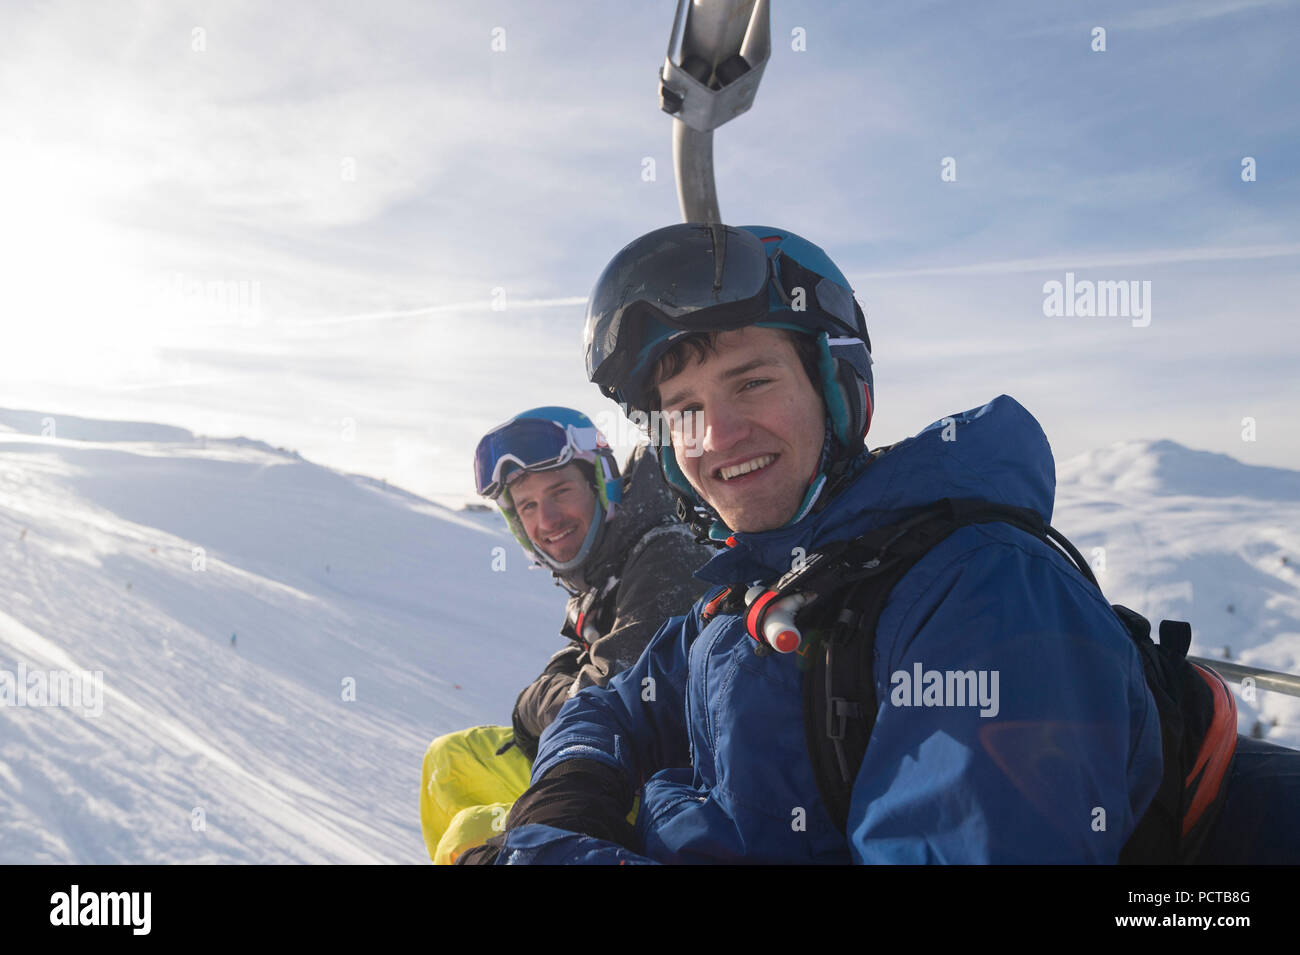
<point x="325" y="576"/>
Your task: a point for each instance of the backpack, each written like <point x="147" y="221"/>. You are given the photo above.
<point x="1198" y="716"/>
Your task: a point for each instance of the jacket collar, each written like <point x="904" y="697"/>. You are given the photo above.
<point x="645" y="503"/>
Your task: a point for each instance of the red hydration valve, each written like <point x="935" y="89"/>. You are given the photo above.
<point x="772" y="616"/>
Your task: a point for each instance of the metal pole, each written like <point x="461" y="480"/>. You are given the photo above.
<point x="716" y="54"/>
<point x="697" y="190"/>
<point x="1287" y="683"/>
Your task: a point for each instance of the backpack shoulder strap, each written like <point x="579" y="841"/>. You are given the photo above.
<point x="839" y="697"/>
<point x="1198" y="738"/>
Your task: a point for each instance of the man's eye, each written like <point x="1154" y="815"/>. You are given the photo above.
<point x="526" y="508"/>
<point x="754" y="382"/>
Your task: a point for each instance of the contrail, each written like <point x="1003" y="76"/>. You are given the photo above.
<point x="172" y="383"/>
<point x="478" y="305"/>
<point x="1118" y="260"/>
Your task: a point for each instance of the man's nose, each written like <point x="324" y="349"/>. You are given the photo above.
<point x="550" y="512"/>
<point x="724" y="427"/>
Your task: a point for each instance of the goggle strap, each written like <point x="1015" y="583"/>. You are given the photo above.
<point x="774" y="267"/>
<point x="718" y="232"/>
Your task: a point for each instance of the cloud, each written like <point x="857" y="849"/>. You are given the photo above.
<point x="379" y="171"/>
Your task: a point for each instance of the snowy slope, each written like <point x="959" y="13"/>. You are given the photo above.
<point x="321" y="576"/>
<point x="1190" y="535"/>
<point x="325" y="577"/>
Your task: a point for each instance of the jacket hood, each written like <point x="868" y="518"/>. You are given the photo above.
<point x="997" y="452"/>
<point x="646" y="502"/>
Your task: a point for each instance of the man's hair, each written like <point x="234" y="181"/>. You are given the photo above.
<point x="697" y="346"/>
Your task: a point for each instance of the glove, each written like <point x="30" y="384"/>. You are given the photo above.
<point x="579" y="795"/>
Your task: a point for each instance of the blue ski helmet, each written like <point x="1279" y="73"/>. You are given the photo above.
<point x="545" y="439"/>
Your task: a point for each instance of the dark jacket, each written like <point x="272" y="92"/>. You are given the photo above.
<point x="638" y="576"/>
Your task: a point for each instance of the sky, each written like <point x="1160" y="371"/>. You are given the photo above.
<point x="366" y="232"/>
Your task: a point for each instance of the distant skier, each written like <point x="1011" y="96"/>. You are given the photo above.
<point x="616" y="545"/>
<point x="983" y="702"/>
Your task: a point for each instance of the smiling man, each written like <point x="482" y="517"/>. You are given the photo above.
<point x="559" y="512"/>
<point x="899" y="661"/>
<point x="764" y="424"/>
<point x="615" y="544"/>
<point x="556" y="511"/>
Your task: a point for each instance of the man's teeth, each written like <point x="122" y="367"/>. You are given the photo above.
<point x="744" y="468"/>
<point x="559" y="537"/>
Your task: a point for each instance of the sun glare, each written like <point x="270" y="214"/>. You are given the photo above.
<point x="71" y="307"/>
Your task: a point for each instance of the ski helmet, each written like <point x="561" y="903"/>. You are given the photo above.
<point x="545" y="439"/>
<point x="695" y="277"/>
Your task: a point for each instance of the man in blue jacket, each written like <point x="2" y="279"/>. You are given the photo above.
<point x="746" y="346"/>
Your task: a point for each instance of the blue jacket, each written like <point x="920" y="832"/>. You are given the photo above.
<point x="1057" y="766"/>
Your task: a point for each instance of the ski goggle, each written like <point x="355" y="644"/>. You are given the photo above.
<point x="525" y="444"/>
<point x="698" y="277"/>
